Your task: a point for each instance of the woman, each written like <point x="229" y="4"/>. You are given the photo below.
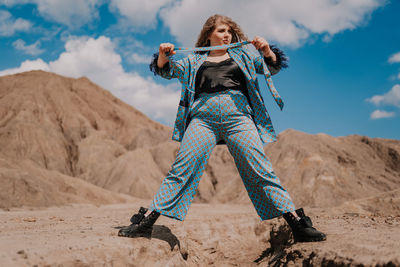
<point x="221" y="103"/>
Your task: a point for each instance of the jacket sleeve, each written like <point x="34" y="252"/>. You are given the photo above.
<point x="274" y="67"/>
<point x="172" y="69"/>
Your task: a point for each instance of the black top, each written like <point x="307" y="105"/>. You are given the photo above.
<point x="214" y="77"/>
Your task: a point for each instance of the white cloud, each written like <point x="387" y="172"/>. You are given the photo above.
<point x="139" y="59"/>
<point x="285" y="21"/>
<point x="13" y="2"/>
<point x="140" y="14"/>
<point x="72" y="13"/>
<point x="27" y="65"/>
<point x="10" y="25"/>
<point x="395" y="58"/>
<point x="82" y="58"/>
<point x="391" y="98"/>
<point x="381" y="114"/>
<point x="32" y="49"/>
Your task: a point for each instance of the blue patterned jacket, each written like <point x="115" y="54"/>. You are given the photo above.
<point x="185" y="70"/>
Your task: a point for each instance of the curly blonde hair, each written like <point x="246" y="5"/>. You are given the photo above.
<point x="209" y="27"/>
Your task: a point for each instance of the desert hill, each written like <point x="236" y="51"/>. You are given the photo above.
<point x="64" y="129"/>
<point x="71" y="153"/>
<point x="55" y="129"/>
<point x="321" y="170"/>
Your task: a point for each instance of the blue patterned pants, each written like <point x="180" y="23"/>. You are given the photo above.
<point x="224" y="115"/>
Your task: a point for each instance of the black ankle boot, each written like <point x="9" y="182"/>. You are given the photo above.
<point x="142" y="226"/>
<point x="136" y="218"/>
<point x="302" y="229"/>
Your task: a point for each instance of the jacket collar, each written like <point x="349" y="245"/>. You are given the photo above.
<point x="236" y="54"/>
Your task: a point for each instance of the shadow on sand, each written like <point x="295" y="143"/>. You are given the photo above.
<point x="280" y="240"/>
<point x="163" y="233"/>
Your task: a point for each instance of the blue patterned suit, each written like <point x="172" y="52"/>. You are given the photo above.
<point x="229" y="117"/>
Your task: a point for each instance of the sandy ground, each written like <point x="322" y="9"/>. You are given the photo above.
<point x="219" y="235"/>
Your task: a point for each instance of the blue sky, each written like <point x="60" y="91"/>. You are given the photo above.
<point x="343" y="79"/>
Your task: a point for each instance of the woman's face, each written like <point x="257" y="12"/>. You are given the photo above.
<point x="221" y="35"/>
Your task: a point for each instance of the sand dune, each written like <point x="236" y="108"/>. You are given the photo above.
<point x="71" y="154"/>
<point x="212" y="235"/>
<point x="77" y="129"/>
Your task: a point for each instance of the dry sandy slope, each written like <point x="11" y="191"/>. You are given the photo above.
<point x="66" y="140"/>
<point x="63" y="129"/>
<point x="56" y="130"/>
<point x="219" y="235"/>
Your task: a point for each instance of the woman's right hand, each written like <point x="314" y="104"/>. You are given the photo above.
<point x="162" y="52"/>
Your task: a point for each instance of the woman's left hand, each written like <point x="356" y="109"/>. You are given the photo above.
<point x="262" y="44"/>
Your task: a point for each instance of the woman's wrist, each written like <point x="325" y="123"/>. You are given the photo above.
<point x="162" y="60"/>
<point x="163" y="50"/>
<point x="269" y="54"/>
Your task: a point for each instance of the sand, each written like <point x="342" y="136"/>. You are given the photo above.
<point x="212" y="235"/>
<point x="76" y="162"/>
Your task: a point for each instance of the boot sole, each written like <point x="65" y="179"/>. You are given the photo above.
<point x="315" y="239"/>
<point x="138" y="234"/>
<point x="148" y="235"/>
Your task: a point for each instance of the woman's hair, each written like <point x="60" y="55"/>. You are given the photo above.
<point x="209" y="27"/>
